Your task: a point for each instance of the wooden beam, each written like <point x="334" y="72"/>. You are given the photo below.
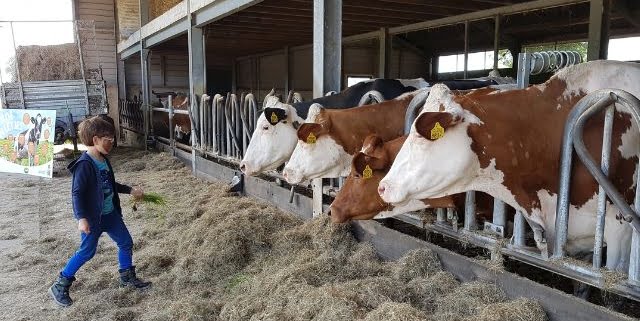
<point x="597" y="47"/>
<point x="623" y="8"/>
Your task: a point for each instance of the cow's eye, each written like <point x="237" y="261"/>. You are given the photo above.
<point x="265" y="127"/>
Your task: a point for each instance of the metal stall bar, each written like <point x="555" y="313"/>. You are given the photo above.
<point x="172" y="138"/>
<point x="470" y="211"/>
<point x="572" y="137"/>
<point x="602" y="195"/>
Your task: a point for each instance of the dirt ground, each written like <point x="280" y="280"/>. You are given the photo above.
<point x="213" y="256"/>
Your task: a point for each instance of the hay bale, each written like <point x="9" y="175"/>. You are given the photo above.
<point x="40" y="63"/>
<point x="469" y="298"/>
<point x="391" y="311"/>
<point x="158" y="7"/>
<point x="521" y="309"/>
<point x="423" y="292"/>
<point x="417" y="263"/>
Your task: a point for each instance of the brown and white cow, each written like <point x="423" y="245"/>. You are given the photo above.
<point x="358" y="198"/>
<point x="329" y="137"/>
<point x="338" y="134"/>
<point x="508" y="145"/>
<point x="181" y="122"/>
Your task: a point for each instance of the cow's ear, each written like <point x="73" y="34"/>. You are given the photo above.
<point x="371" y="143"/>
<point x="309" y="132"/>
<point x="363" y="165"/>
<point x="434" y="125"/>
<point x="275" y="115"/>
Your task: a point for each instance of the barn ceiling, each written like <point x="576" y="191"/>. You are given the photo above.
<point x="273" y="24"/>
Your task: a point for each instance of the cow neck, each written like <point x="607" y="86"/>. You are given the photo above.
<point x="522" y="130"/>
<point x="350" y="127"/>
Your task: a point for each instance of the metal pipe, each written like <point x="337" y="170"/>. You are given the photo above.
<point x="172" y="138"/>
<point x="602" y="195"/>
<point x="202" y="123"/>
<point x="226" y="122"/>
<point x="470" y="211"/>
<point x="633" y="103"/>
<point x="496" y="41"/>
<point x="441" y="215"/>
<point x="572" y="137"/>
<point x="499" y="214"/>
<point x="466" y="48"/>
<point x="524" y="70"/>
<point x="519" y="229"/>
<point x="371" y="97"/>
<point x="415" y="106"/>
<point x="13" y="40"/>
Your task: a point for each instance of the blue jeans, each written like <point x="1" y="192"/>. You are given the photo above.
<point x="114" y="226"/>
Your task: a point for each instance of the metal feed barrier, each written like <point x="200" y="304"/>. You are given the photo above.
<point x="492" y="234"/>
<point x="225" y="125"/>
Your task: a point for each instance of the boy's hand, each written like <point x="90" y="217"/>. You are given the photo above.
<point x="137" y="192"/>
<point x="83" y="226"/>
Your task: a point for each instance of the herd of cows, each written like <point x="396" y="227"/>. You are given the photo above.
<point x="495" y="139"/>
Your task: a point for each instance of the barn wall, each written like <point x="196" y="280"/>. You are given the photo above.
<point x="169" y="71"/>
<point x="407" y="64"/>
<point x="128" y="13"/>
<point x="259" y="74"/>
<point x="101" y="52"/>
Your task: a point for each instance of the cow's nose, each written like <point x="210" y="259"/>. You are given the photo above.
<point x="290" y="176"/>
<point x="381" y="189"/>
<point x="243" y="167"/>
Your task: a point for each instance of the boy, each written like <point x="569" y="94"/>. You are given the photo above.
<point x="96" y="206"/>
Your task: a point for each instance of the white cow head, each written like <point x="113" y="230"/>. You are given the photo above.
<point x="274" y="138"/>
<point x="436" y="159"/>
<point x="317" y="153"/>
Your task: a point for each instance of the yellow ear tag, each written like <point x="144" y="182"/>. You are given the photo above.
<point x="437" y="131"/>
<point x="367" y="172"/>
<point x="311" y="139"/>
<point x="274" y="118"/>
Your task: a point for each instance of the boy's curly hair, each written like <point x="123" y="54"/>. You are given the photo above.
<point x="94" y="126"/>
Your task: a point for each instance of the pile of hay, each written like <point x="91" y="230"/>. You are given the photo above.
<point x="53" y="62"/>
<point x="216" y="257"/>
<point x="158" y="7"/>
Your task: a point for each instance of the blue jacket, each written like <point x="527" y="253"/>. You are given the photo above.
<point x="86" y="190"/>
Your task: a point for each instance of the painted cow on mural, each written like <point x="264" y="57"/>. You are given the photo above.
<point x="358" y="198"/>
<point x="338" y="134"/>
<point x="274" y="139"/>
<point x="508" y="145"/>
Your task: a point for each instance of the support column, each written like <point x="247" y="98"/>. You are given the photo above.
<point x="466" y="48"/>
<point x="327" y="53"/>
<point x="327" y="46"/>
<point x="122" y="91"/>
<point x="146" y="90"/>
<point x="197" y="84"/>
<point x="384" y="53"/>
<point x="287" y="84"/>
<point x="496" y="42"/>
<point x="143" y="6"/>
<point x="598" y="29"/>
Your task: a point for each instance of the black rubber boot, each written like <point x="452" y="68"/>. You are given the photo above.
<point x="60" y="291"/>
<point x="128" y="278"/>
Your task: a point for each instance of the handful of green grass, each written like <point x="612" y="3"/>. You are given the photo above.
<point x="148" y="198"/>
